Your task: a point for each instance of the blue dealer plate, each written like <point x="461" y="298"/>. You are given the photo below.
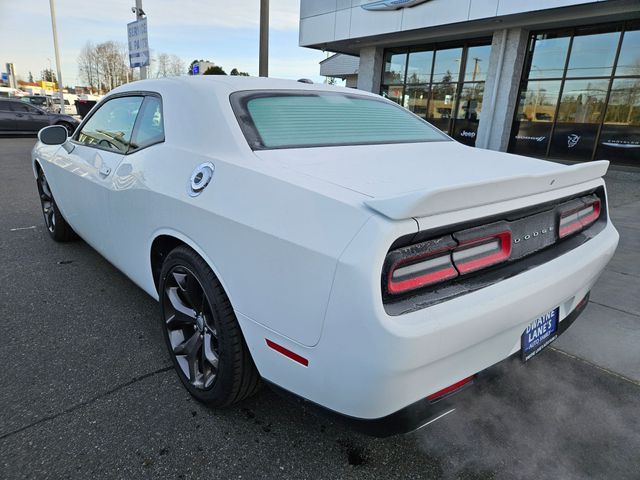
<point x="539" y="334"/>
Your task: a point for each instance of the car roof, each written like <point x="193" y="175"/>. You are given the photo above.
<point x="229" y="84"/>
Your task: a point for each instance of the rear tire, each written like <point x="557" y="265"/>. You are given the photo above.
<point x="202" y="333"/>
<point x="57" y="226"/>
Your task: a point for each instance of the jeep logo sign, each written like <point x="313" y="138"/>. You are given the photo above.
<point x="382" y="5"/>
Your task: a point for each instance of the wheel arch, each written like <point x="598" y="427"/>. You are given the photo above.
<point x="164" y="241"/>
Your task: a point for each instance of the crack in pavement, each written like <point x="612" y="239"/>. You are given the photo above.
<point x="591" y="364"/>
<point x="87" y="402"/>
<point x="615" y="308"/>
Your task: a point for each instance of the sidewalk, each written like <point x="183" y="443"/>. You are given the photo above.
<point x="608" y="333"/>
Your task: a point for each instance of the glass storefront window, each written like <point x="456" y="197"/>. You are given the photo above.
<point x="470" y="104"/>
<point x="441" y="104"/>
<point x="417" y="99"/>
<point x="591" y="110"/>
<point x="549" y="55"/>
<point x="620" y="135"/>
<point x="419" y="69"/>
<point x="393" y="93"/>
<point x="593" y="55"/>
<point x="447" y="65"/>
<point x="394" y="68"/>
<point x="468" y="114"/>
<point x="538" y="101"/>
<point x="583" y="101"/>
<point x="477" y="63"/>
<point x="439" y="86"/>
<point x="629" y="61"/>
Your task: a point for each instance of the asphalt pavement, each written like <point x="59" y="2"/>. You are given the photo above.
<point x="86" y="388"/>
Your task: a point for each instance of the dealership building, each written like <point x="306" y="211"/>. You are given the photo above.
<point x="555" y="79"/>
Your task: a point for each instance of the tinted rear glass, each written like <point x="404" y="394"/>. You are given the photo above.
<point x="292" y="120"/>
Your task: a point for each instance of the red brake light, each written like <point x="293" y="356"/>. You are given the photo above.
<point x="576" y="218"/>
<point x="484" y="252"/>
<point x="420" y="265"/>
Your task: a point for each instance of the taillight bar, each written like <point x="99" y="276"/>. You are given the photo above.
<point x="420" y="265"/>
<point x="446" y="258"/>
<point x="576" y="218"/>
<point x="483" y="253"/>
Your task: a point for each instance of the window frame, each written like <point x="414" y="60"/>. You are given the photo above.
<point x="239" y="104"/>
<point x="135" y="93"/>
<point x="622" y="27"/>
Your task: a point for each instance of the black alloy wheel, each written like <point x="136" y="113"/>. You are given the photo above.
<point x="57" y="226"/>
<point x="190" y="327"/>
<point x="202" y="332"/>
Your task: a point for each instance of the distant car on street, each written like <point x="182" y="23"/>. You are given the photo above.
<point x="325" y="240"/>
<point x="45" y="102"/>
<point x="18" y="118"/>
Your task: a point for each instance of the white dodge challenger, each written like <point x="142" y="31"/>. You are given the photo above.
<point x="325" y="240"/>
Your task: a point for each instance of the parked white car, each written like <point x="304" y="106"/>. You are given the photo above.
<point x="325" y="240"/>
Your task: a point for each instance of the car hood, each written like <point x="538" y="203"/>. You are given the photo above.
<point x="419" y="179"/>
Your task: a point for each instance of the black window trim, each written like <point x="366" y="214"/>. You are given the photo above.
<point x="134" y="93"/>
<point x="240" y="99"/>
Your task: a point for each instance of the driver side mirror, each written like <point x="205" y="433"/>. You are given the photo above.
<point x="53" y="135"/>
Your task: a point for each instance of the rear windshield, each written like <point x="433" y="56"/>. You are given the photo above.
<point x="273" y="120"/>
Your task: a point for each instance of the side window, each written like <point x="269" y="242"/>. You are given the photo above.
<point x="110" y="127"/>
<point x="5" y="107"/>
<point x="19" y="107"/>
<point x="150" y="128"/>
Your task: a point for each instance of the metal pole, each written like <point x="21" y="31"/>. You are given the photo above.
<point x="264" y="38"/>
<point x="55" y="47"/>
<point x="139" y="16"/>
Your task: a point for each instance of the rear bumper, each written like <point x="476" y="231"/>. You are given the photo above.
<point x="377" y="370"/>
<point x="423" y="412"/>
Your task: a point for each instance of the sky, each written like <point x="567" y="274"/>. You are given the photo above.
<point x="224" y="32"/>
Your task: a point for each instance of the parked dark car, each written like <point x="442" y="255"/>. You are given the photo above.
<point x="18" y="118"/>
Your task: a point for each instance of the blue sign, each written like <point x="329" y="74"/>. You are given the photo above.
<point x="5" y="77"/>
<point x="196" y="69"/>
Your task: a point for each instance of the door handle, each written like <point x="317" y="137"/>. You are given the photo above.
<point x="19" y="114"/>
<point x="104" y="171"/>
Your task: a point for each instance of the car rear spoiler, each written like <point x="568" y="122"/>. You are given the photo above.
<point x="422" y="203"/>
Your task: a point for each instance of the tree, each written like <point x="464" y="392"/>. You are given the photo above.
<point x="104" y="66"/>
<point x="237" y="73"/>
<point x="169" y="65"/>
<point x="215" y="70"/>
<point x="176" y="66"/>
<point x="48" y="75"/>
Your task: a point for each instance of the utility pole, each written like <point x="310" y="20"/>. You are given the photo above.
<point x="264" y="38"/>
<point x="140" y="16"/>
<point x="55" y="47"/>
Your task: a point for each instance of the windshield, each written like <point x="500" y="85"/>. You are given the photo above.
<point x="273" y="120"/>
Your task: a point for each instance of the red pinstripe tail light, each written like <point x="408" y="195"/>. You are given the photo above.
<point x="419" y="265"/>
<point x="579" y="215"/>
<point x="483" y="252"/>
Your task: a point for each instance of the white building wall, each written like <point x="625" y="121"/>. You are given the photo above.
<point x="325" y="21"/>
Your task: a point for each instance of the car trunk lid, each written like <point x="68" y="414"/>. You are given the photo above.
<point x="422" y="179"/>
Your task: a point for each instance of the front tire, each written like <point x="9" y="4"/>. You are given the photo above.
<point x="57" y="226"/>
<point x="202" y="333"/>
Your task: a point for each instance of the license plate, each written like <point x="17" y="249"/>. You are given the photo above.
<point x="540" y="333"/>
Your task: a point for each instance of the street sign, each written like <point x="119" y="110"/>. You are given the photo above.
<point x="5" y="77"/>
<point x="138" y="43"/>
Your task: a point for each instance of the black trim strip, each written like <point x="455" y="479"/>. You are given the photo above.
<point x="520" y="262"/>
